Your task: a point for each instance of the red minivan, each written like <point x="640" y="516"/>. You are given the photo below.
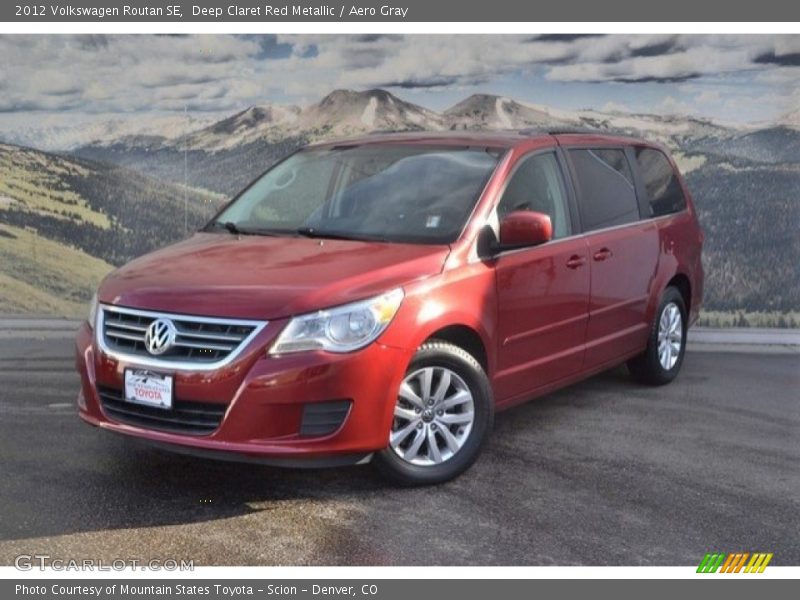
<point x="380" y="298"/>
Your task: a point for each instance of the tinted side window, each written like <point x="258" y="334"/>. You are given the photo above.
<point x="664" y="191"/>
<point x="537" y="185"/>
<point x="607" y="195"/>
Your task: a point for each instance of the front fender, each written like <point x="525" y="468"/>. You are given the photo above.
<point x="464" y="297"/>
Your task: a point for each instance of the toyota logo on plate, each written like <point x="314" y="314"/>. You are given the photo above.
<point x="160" y="336"/>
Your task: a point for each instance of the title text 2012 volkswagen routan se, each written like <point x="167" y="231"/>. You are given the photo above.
<point x="380" y="298"/>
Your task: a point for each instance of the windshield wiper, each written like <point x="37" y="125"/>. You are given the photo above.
<point x="232" y="227"/>
<point x="313" y="232"/>
<point x="236" y="230"/>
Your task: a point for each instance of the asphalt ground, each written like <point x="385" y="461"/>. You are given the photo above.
<point x="606" y="472"/>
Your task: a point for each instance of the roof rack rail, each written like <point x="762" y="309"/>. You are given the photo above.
<point x="559" y="131"/>
<point x="389" y="131"/>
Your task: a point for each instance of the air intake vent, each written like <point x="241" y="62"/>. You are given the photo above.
<point x="323" y="418"/>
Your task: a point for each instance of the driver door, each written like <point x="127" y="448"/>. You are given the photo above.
<point x="542" y="291"/>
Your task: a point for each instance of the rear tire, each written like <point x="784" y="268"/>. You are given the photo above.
<point x="666" y="346"/>
<point x="443" y="414"/>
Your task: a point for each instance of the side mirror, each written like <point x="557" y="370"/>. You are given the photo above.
<point x="525" y="228"/>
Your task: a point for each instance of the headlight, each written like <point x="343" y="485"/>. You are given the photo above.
<point x="92" y="318"/>
<point x="341" y="329"/>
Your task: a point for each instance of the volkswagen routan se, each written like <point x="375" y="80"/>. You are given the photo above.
<point x="378" y="299"/>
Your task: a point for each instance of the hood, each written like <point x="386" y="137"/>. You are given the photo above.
<point x="256" y="277"/>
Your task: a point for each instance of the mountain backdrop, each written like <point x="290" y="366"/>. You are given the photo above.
<point x="76" y="201"/>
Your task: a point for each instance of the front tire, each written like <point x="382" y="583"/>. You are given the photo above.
<point x="443" y="414"/>
<point x="666" y="346"/>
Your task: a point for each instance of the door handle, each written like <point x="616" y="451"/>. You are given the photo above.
<point x="575" y="261"/>
<point x="602" y="254"/>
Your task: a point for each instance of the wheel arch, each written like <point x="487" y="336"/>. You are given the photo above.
<point x="466" y="338"/>
<point x="671" y="278"/>
<point x="681" y="282"/>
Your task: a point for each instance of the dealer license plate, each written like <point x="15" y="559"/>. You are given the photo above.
<point x="148" y="388"/>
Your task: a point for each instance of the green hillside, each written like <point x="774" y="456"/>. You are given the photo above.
<point x="748" y="207"/>
<point x="750" y="213"/>
<point x="106" y="210"/>
<point x="40" y="276"/>
<point x="37" y="182"/>
<point x="65" y="222"/>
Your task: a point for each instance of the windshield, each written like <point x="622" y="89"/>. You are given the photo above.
<point x="373" y="192"/>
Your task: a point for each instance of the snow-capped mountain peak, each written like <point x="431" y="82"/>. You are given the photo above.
<point x="348" y="112"/>
<point x="486" y="111"/>
<point x="791" y="120"/>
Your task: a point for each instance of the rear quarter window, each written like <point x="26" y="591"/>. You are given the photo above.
<point x="664" y="193"/>
<point x="607" y="194"/>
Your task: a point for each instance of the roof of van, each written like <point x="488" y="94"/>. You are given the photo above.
<point x="495" y="139"/>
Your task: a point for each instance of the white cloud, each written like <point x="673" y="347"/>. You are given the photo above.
<point x="118" y="73"/>
<point x="615" y="107"/>
<point x="161" y="73"/>
<point x="672" y="106"/>
<point x="708" y="97"/>
<point x="783" y="76"/>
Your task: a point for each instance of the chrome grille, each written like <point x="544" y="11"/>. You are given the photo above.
<point x="199" y="342"/>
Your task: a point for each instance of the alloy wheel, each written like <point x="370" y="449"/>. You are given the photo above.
<point x="433" y="416"/>
<point x="670" y="336"/>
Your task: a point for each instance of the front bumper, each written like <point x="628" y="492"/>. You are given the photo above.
<point x="263" y="401"/>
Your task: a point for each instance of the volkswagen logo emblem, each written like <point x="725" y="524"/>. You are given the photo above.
<point x="160" y="336"/>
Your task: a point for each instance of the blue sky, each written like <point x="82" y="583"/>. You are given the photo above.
<point x="730" y="78"/>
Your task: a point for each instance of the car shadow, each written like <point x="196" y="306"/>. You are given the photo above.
<point x="100" y="481"/>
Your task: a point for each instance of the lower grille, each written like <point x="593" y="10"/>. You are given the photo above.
<point x="187" y="418"/>
<point x="323" y="418"/>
